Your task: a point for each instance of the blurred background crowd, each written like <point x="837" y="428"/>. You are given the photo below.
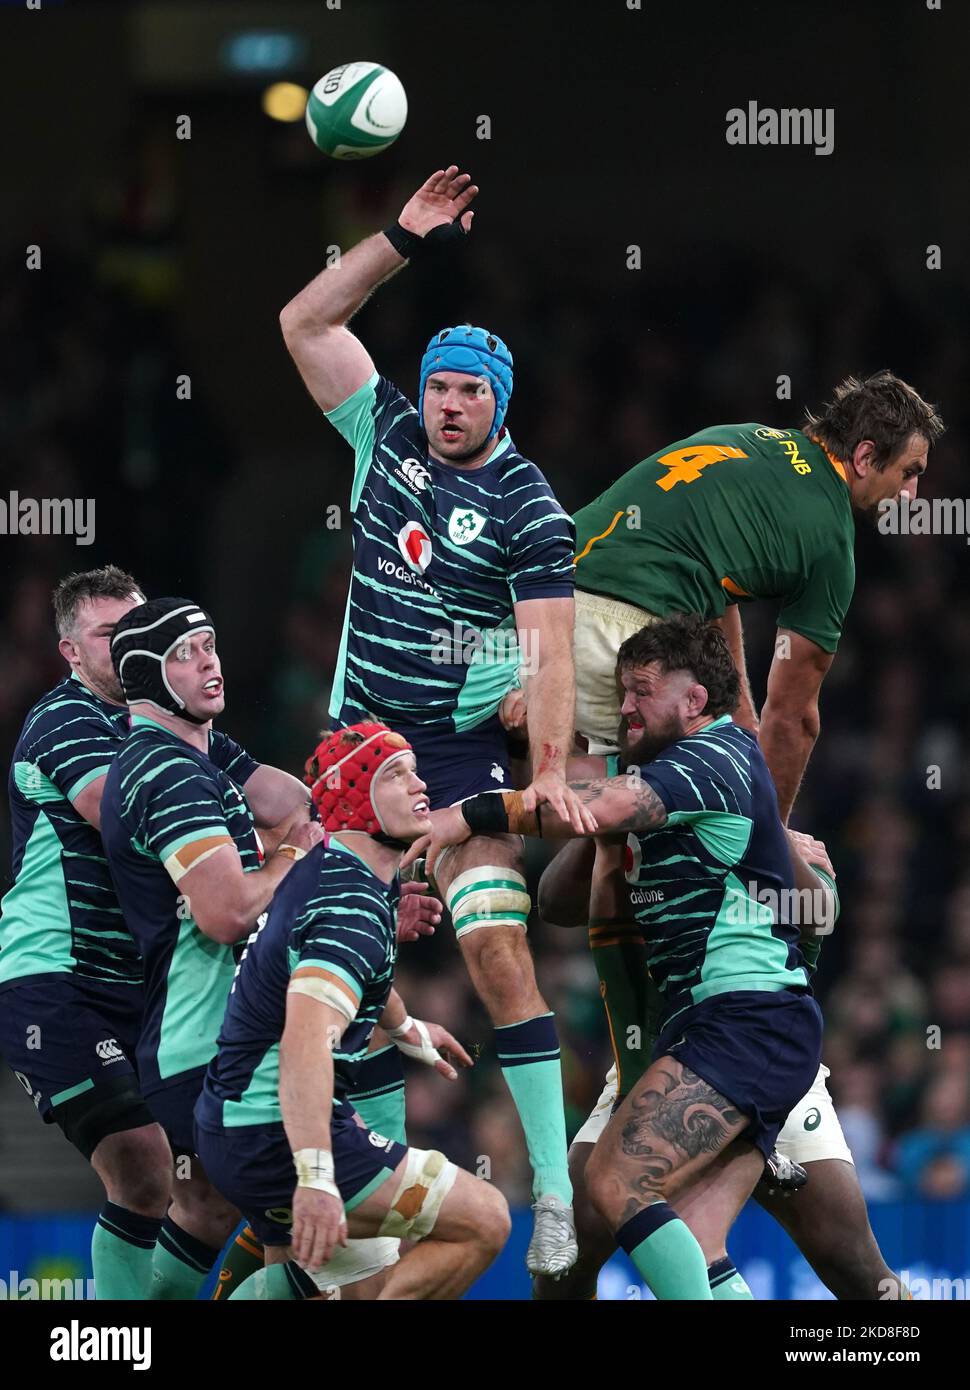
<point x="224" y="497"/>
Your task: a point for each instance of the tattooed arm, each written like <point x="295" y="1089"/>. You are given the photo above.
<point x="616" y="805"/>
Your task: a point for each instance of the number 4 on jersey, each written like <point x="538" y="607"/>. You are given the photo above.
<point x="685" y="464"/>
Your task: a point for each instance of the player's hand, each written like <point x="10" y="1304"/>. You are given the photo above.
<point x="449" y="827"/>
<point x="513" y="710"/>
<point x="319" y="1226"/>
<point x="552" y="787"/>
<point x="418" y="913"/>
<point x="426" y="1042"/>
<point x="439" y="200"/>
<point x="305" y="835"/>
<point x="811" y="850"/>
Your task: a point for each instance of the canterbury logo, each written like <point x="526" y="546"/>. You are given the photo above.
<point x="109" y="1051"/>
<point x="415" y="473"/>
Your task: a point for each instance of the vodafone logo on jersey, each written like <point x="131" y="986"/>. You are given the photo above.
<point x="414" y="544"/>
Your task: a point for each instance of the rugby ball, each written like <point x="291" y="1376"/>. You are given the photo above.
<point x="356" y="110"/>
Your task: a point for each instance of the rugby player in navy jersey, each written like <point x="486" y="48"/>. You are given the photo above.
<point x="463" y="571"/>
<point x="70" y="972"/>
<point x="179" y="830"/>
<point x="274" y="1123"/>
<point x="739" y="1035"/>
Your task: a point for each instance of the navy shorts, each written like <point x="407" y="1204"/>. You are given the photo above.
<point x="760" y="1050"/>
<point x="457" y="765"/>
<point x="172" y="1108"/>
<point x="64" y="1035"/>
<point x="252" y="1167"/>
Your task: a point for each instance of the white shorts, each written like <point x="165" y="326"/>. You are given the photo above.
<point x="811" y="1132"/>
<point x="356" y="1260"/>
<point x="602" y="626"/>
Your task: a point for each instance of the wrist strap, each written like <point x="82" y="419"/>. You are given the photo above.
<point x="486" y="813"/>
<point x="409" y="244"/>
<point x="405" y="243"/>
<point x="314" y="1168"/>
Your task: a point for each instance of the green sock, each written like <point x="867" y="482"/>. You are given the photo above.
<point x="278" y="1282"/>
<point x="378" y="1095"/>
<point x="631" y="1000"/>
<point x="727" y="1285"/>
<point x="666" y="1253"/>
<point x="528" y="1053"/>
<point x="240" y="1258"/>
<point x="181" y="1264"/>
<point x="121" y="1253"/>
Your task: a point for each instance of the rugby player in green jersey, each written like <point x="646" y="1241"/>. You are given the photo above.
<point x="729" y="515"/>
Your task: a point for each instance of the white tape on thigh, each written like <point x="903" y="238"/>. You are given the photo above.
<point x="356" y="1260"/>
<point x="428" y="1178"/>
<point x="489" y="895"/>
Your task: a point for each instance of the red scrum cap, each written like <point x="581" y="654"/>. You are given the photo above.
<point x="342" y="771"/>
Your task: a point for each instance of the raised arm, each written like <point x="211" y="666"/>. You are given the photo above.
<point x="331" y="360"/>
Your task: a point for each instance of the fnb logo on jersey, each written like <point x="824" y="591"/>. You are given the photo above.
<point x="108" y="1050"/>
<point x="414" y="544"/>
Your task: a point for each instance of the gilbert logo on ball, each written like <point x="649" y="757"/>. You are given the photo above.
<point x="357" y="110"/>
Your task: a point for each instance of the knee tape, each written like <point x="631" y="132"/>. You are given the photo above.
<point x="489" y="895"/>
<point x="91" y="1117"/>
<point x="428" y="1178"/>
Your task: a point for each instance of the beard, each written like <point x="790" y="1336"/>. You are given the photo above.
<point x="652" y="742"/>
<point x="470" y="451"/>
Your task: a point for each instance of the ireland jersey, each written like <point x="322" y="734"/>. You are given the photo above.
<point x="165" y="807"/>
<point x="333" y="916"/>
<point x="441" y="554"/>
<point x="734" y="512"/>
<point x="61" y="914"/>
<point x="713" y="888"/>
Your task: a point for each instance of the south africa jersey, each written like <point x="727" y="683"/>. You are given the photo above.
<point x="712" y="889"/>
<point x="734" y="512"/>
<point x="166" y="806"/>
<point x="61" y="914"/>
<point x="441" y="554"/>
<point x="334" y="916"/>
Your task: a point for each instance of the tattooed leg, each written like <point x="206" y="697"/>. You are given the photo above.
<point x="671" y="1127"/>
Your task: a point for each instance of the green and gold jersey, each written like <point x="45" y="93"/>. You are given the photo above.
<point x="734" y="512"/>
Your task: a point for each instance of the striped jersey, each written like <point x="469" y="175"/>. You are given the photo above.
<point x="331" y="913"/>
<point x="441" y="554"/>
<point x="165" y="806"/>
<point x="735" y="512"/>
<point x="713" y="888"/>
<point x="61" y="914"/>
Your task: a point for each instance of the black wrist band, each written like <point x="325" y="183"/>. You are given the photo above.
<point x="485" y="814"/>
<point x="405" y="243"/>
